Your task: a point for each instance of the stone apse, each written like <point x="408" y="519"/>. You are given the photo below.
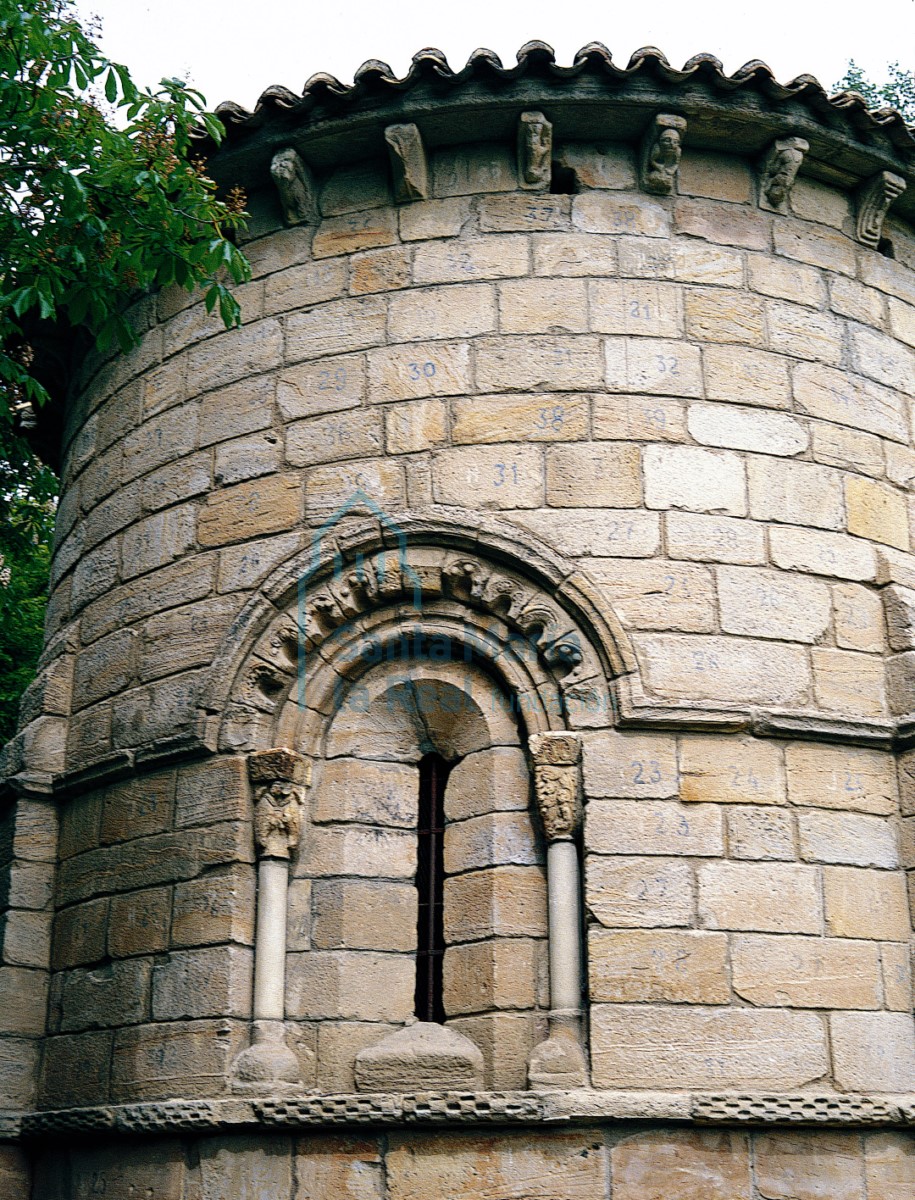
<point x="473" y="749"/>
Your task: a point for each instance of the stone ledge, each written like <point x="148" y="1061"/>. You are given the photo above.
<point x="465" y="1108"/>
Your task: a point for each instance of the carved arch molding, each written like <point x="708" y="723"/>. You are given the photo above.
<point x="419" y="585"/>
<point x="401" y="591"/>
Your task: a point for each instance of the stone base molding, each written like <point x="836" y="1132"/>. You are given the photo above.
<point x="468" y="1108"/>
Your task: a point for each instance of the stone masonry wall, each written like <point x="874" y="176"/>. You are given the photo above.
<point x="707" y="407"/>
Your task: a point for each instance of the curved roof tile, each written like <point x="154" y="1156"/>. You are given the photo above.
<point x="537" y="59"/>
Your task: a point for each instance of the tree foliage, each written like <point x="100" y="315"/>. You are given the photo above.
<point x="898" y="91"/>
<point x="101" y="196"/>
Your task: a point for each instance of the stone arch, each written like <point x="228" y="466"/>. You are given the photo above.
<point x="414" y="613"/>
<point x="555" y="638"/>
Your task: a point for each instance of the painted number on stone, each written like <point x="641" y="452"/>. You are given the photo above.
<point x="667" y="364"/>
<point x="641" y="312"/>
<point x="505" y="473"/>
<point x="551" y="418"/>
<point x="332" y="381"/>
<point x="656" y="417"/>
<point x="703" y="661"/>
<point x="421" y="370"/>
<point x="646" y="772"/>
<point x="740" y="779"/>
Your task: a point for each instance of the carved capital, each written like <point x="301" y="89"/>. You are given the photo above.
<point x="557" y="783"/>
<point x="296" y="186"/>
<point x="778" y="171"/>
<point x="280" y="778"/>
<point x="409" y="163"/>
<point x="662" y="147"/>
<point x="535" y="150"/>
<point x="874" y="199"/>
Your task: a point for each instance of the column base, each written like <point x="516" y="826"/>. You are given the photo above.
<point x="559" y="1061"/>
<point x="268" y="1066"/>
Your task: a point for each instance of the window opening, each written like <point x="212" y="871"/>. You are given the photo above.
<point x="430" y="885"/>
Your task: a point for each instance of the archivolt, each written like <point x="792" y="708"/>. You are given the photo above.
<point x="381" y="589"/>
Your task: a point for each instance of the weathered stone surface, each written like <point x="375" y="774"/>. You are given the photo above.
<point x="745" y="376"/>
<point x="215" y="981"/>
<point x="873" y="1051"/>
<point x="556" y="1166"/>
<point x="659" y="595"/>
<point x="218" y="907"/>
<point x="772" y="604"/>
<point x="697" y="479"/>
<point x="863" y="841"/>
<point x="800" y="1165"/>
<point x="487" y="781"/>
<point x="850" y="683"/>
<point x="819" y="553"/>
<point x="796" y="493"/>
<point x="724" y="669"/>
<point x="174" y="1058"/>
<point x="140" y="922"/>
<point x="889" y="1165"/>
<point x="676" y="1046"/>
<point x="363" y="914"/>
<point x="500" y="902"/>
<point x="421" y="1055"/>
<point x="349" y="1168"/>
<point x="643" y="965"/>
<point x="774" y="897"/>
<point x="501" y="838"/>
<point x="694" y="1164"/>
<point x="498" y="973"/>
<point x="630" y="764"/>
<point x="731" y="770"/>
<point x="804" y="972"/>
<point x="653" y="827"/>
<point x="666" y="368"/>
<point x="371" y="793"/>
<point x="760" y="833"/>
<point x="499" y="477"/>
<point x="250" y="509"/>
<point x="633" y="892"/>
<point x="877" y="512"/>
<point x="865" y="904"/>
<point x="705" y="538"/>
<point x="76" y="1069"/>
<point x="358" y="985"/>
<point x="605" y="475"/>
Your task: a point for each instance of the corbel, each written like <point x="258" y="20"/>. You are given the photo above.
<point x="778" y="172"/>
<point x="874" y="199"/>
<point x="296" y="186"/>
<point x="662" y="147"/>
<point x="535" y="150"/>
<point x="409" y="163"/>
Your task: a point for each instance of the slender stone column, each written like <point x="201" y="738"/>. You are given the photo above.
<point x="280" y="778"/>
<point x="560" y="1061"/>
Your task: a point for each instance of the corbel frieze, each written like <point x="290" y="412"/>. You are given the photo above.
<point x="662" y="147"/>
<point x="874" y="199"/>
<point x="296" y="186"/>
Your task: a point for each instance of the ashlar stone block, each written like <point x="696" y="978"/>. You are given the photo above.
<point x="660" y="966"/>
<point x="806" y="972"/>
<point x="696" y="479"/>
<point x="729" y="770"/>
<point x="623" y="892"/>
<point x="363" y="914"/>
<point x="770" y="897"/>
<point x="693" y="1164"/>
<point x="686" y="1046"/>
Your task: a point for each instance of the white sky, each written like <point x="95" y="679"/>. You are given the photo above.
<point x="232" y="50"/>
